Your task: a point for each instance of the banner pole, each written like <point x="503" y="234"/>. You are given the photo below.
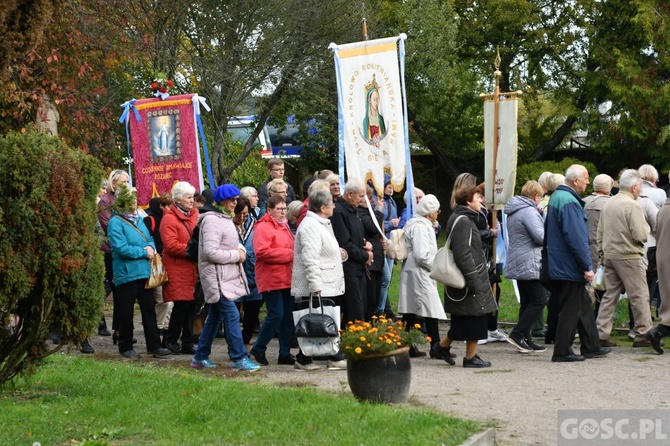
<point x="496" y="141"/>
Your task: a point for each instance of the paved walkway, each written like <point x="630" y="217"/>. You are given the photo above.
<point x="519" y="395"/>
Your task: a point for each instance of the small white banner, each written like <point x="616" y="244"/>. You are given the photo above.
<point x="502" y="189"/>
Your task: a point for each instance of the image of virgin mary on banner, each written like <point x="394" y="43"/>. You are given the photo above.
<point x="373" y="137"/>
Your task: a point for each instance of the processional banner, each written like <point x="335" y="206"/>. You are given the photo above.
<point x="165" y="145"/>
<point x="501" y="189"/>
<point x="373" y="136"/>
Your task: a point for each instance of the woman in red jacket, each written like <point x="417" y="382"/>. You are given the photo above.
<point x="273" y="245"/>
<point x="176" y="228"/>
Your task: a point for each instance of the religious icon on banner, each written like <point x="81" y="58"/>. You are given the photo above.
<point x="164" y="131"/>
<point x="374" y="126"/>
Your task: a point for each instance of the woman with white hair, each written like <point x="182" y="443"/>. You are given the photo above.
<point x="418" y="292"/>
<point x="649" y="178"/>
<point x="176" y="228"/>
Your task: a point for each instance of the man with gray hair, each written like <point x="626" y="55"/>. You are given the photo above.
<point x="567" y="264"/>
<point x="622" y="232"/>
<point x="350" y="235"/>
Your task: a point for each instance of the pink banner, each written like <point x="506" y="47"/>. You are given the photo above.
<point x="164" y="146"/>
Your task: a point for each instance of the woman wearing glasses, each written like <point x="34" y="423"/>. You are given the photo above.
<point x="273" y="245"/>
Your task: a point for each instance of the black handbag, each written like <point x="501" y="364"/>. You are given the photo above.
<point x="316" y="324"/>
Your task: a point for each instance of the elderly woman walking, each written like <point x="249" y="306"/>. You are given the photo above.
<point x="418" y="292"/>
<point x="525" y="226"/>
<point x="176" y="228"/>
<point x="273" y="245"/>
<point x="470" y="306"/>
<point x="220" y="259"/>
<point x="317" y="264"/>
<point x="132" y="251"/>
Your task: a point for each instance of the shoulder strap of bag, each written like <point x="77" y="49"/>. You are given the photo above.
<point x="187" y="230"/>
<point x="132" y="226"/>
<point x="448" y="243"/>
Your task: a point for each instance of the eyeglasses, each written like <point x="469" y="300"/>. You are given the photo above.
<point x="280" y="209"/>
<point x="233" y="199"/>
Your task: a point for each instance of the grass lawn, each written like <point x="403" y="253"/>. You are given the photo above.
<point x="75" y="400"/>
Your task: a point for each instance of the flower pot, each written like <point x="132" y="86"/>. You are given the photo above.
<point x="381" y="378"/>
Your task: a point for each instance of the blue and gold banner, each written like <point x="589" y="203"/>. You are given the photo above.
<point x="373" y="134"/>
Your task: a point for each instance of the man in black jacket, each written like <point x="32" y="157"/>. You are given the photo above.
<point x="350" y="235"/>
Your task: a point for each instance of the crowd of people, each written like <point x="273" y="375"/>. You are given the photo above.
<point x="266" y="247"/>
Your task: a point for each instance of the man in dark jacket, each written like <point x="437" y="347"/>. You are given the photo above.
<point x="569" y="268"/>
<point x="350" y="236"/>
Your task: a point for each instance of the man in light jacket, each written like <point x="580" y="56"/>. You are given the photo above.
<point x="622" y="232"/>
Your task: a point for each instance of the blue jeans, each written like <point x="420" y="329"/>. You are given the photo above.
<point x="223" y="311"/>
<point x="280" y="305"/>
<point x="387" y="273"/>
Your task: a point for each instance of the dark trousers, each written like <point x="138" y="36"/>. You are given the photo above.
<point x="432" y="327"/>
<point x="575" y="312"/>
<point x="181" y="323"/>
<point x="250" y="319"/>
<point x="355" y="297"/>
<point x="109" y="277"/>
<point x="373" y="290"/>
<point x="125" y="305"/>
<point x="492" y="318"/>
<point x="533" y="298"/>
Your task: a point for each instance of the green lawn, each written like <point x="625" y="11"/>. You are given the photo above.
<point x="77" y="400"/>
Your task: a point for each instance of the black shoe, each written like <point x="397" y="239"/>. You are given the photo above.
<point x="188" y="349"/>
<point x="607" y="343"/>
<point x="173" y="347"/>
<point x="259" y="357"/>
<point x="443" y="353"/>
<point x="642" y="344"/>
<point x="520" y="344"/>
<point x="567" y="358"/>
<point x="104" y="331"/>
<point x="86" y="347"/>
<point x="286" y="360"/>
<point x="414" y="352"/>
<point x="536" y="348"/>
<point x="159" y="352"/>
<point x="654" y="337"/>
<point x="602" y="351"/>
<point x="130" y="354"/>
<point x="475" y="362"/>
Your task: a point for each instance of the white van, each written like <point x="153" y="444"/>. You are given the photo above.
<point x="243" y="126"/>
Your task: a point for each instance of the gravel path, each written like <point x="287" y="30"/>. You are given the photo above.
<point x="519" y="395"/>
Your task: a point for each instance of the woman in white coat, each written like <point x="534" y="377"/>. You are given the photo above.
<point x="418" y="292"/>
<point x="317" y="265"/>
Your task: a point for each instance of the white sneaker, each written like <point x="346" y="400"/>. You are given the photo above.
<point x="337" y="365"/>
<point x="310" y="367"/>
<point x="631" y="334"/>
<point x="482" y="341"/>
<point x="498" y="335"/>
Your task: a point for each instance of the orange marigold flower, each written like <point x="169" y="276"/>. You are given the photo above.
<point x="362" y="338"/>
<point x="417" y="326"/>
<point x="350" y="323"/>
<point x="399" y="344"/>
<point x="358" y="350"/>
<point x="388" y="341"/>
<point x="429" y="339"/>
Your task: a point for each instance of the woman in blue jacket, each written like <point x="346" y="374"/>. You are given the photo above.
<point x="132" y="251"/>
